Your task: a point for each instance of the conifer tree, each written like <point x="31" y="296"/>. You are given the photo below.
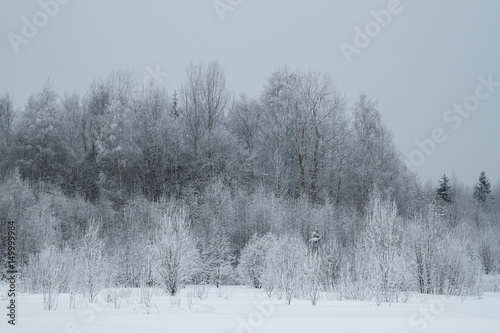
<point x="444" y="191"/>
<point x="445" y="197"/>
<point x="482" y="190"/>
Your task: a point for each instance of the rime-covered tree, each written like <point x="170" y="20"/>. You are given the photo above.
<point x="156" y="135"/>
<point x="116" y="151"/>
<point x="373" y="159"/>
<point x="41" y="148"/>
<point x="246" y="121"/>
<point x="6" y="130"/>
<point x="204" y="101"/>
<point x="301" y="113"/>
<point x="73" y="132"/>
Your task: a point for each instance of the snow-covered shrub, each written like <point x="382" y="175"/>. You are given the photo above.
<point x="332" y="256"/>
<point x="312" y="277"/>
<point x="253" y="259"/>
<point x="423" y="237"/>
<point x="381" y="249"/>
<point x="350" y="283"/>
<point x="459" y="268"/>
<point x="16" y="196"/>
<point x="442" y="260"/>
<point x="216" y="257"/>
<point x="45" y="274"/>
<point x="131" y="253"/>
<point x="174" y="251"/>
<point x="92" y="261"/>
<point x="490" y="283"/>
<point x="489" y="249"/>
<point x="72" y="275"/>
<point x="285" y="266"/>
<point x="201" y="291"/>
<point x="38" y="227"/>
<point x="146" y="292"/>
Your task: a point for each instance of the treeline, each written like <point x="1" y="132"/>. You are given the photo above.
<point x="109" y="183"/>
<point x="121" y="139"/>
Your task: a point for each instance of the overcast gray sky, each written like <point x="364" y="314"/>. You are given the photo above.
<point x="420" y="62"/>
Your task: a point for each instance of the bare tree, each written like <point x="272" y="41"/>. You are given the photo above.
<point x="204" y="100"/>
<point x="156" y="134"/>
<point x="302" y="109"/>
<point x="246" y="120"/>
<point x="6" y="119"/>
<point x="368" y="133"/>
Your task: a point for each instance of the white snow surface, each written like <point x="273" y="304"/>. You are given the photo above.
<point x="246" y="310"/>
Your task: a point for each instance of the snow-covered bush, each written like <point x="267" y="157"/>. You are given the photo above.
<point x="92" y="262"/>
<point x="443" y="260"/>
<point x="253" y="259"/>
<point x="377" y="268"/>
<point x="382" y="252"/>
<point x="351" y="282"/>
<point x="489" y="249"/>
<point x="312" y="277"/>
<point x="146" y="292"/>
<point x="201" y="291"/>
<point x="285" y="266"/>
<point x="174" y="251"/>
<point x="216" y="258"/>
<point x="72" y="275"/>
<point x="132" y="253"/>
<point x="423" y="238"/>
<point x="459" y="268"/>
<point x="45" y="274"/>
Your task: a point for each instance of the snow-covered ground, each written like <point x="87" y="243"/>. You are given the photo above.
<point x="243" y="309"/>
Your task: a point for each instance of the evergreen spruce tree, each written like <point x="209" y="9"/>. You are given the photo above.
<point x="482" y="190"/>
<point x="444" y="191"/>
<point x="444" y="198"/>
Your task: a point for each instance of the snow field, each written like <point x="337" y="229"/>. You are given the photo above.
<point x="247" y="310"/>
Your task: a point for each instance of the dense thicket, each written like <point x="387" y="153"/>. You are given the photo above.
<point x="122" y="178"/>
